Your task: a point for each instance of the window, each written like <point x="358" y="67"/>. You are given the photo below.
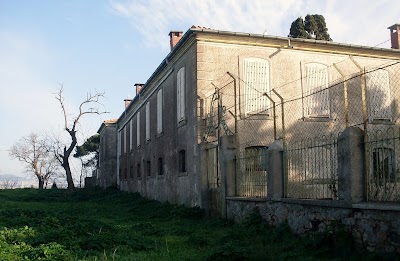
<point x="256" y="158"/>
<point x="148" y="121"/>
<point x="119" y="143"/>
<point x="182" y="161"/>
<point x="378" y="93"/>
<point x="316" y="93"/>
<point x="131" y="172"/>
<point x="138" y="130"/>
<point x="125" y="174"/>
<point x="160" y="167"/>
<point x="125" y="140"/>
<point x="138" y="171"/>
<point x="131" y="136"/>
<point x="383" y="165"/>
<point x="180" y="86"/>
<point x="120" y="174"/>
<point x="159" y="111"/>
<point x="256" y="83"/>
<point x="148" y="170"/>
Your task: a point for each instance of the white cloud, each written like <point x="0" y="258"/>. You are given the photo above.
<point x="353" y="21"/>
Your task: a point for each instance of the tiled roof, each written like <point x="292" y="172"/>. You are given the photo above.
<point x="201" y="27"/>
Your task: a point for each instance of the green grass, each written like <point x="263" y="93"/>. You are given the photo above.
<point x="113" y="225"/>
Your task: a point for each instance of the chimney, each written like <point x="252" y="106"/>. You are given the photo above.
<point x="139" y="87"/>
<point x="127" y="102"/>
<point x="395" y="36"/>
<point x="174" y="37"/>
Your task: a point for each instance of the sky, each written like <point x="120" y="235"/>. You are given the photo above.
<point x="109" y="45"/>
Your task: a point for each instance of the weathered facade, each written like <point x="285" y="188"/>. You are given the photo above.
<point x="106" y="175"/>
<point x="168" y="132"/>
<point x="203" y="130"/>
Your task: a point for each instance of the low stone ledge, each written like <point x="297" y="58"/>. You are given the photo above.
<point x="247" y="199"/>
<point x="377" y="206"/>
<point x="321" y="203"/>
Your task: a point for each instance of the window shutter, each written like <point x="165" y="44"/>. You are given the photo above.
<point x="180" y="106"/>
<point x="317" y="95"/>
<point x="130" y="135"/>
<point x="182" y="93"/>
<point x="147" y="121"/>
<point x="159" y="110"/>
<point x="124" y="144"/>
<point x="119" y="143"/>
<point x="138" y="129"/>
<point x="379" y="98"/>
<point x="256" y="79"/>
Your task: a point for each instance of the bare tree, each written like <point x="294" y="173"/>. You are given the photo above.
<point x="63" y="153"/>
<point x="34" y="152"/>
<point x="9" y="184"/>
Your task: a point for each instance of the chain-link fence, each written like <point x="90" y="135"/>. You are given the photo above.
<point x="251" y="172"/>
<point x="382" y="141"/>
<point x="309" y="114"/>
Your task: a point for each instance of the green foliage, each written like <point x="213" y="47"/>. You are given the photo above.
<point x="297" y="29"/>
<point x="113" y="225"/>
<point x="312" y="27"/>
<point x="89" y="147"/>
<point x="233" y="250"/>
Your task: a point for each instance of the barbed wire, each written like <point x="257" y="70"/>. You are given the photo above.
<point x="331" y="84"/>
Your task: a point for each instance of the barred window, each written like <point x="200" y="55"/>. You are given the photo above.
<point x="383" y="166"/>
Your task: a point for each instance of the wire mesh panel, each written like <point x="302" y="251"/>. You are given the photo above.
<point x="213" y="176"/>
<point x="312" y="168"/>
<point x="384" y="172"/>
<point x="251" y="172"/>
<point x="382" y="156"/>
<point x="308" y="114"/>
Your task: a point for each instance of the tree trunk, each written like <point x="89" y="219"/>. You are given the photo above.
<point x="41" y="182"/>
<point x="70" y="181"/>
<point x="67" y="153"/>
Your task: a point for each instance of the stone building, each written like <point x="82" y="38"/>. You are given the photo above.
<point x="255" y="89"/>
<point x="106" y="174"/>
<point x="305" y="131"/>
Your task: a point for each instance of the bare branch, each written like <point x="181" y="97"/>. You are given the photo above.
<point x="84" y="109"/>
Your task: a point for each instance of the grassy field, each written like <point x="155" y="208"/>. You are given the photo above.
<point x="112" y="225"/>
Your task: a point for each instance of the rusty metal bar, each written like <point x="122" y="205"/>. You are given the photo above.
<point x="346" y="101"/>
<point x="234" y="93"/>
<point x="273" y="112"/>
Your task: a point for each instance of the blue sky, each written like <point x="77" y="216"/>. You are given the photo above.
<point x="110" y="45"/>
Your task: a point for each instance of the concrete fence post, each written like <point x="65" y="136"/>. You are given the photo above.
<point x="228" y="168"/>
<point x="351" y="167"/>
<point x="275" y="170"/>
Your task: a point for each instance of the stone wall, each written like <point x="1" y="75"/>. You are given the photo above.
<point x="372" y="229"/>
<point x="374" y="226"/>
